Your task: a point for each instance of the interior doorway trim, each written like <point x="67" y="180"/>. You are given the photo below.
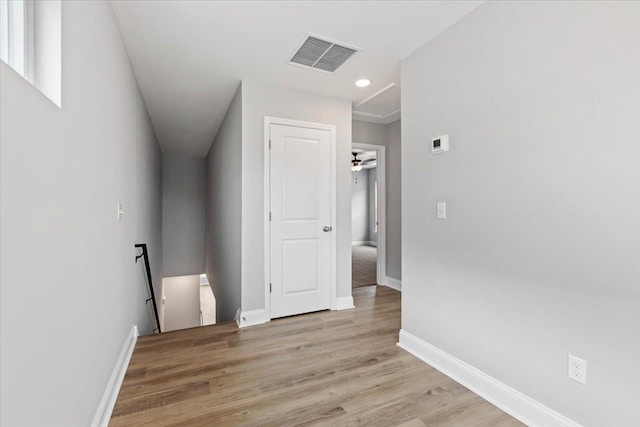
<point x="381" y="267"/>
<point x="268" y="121"/>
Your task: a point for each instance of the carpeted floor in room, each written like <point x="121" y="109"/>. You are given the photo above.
<point x="363" y="265"/>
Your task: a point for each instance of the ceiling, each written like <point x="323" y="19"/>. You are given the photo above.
<point x="381" y="107"/>
<point x="190" y="56"/>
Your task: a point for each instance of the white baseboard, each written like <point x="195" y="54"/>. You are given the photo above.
<point x="518" y="405"/>
<point x="108" y="401"/>
<point x="251" y="318"/>
<point x="258" y="317"/>
<point x="344" y="303"/>
<point x="393" y="283"/>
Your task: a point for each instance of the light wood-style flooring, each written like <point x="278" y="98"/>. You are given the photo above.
<point x="327" y="368"/>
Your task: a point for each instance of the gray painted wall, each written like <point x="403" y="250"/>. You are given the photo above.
<point x="369" y="133"/>
<point x="69" y="287"/>
<point x="389" y="136"/>
<point x="149" y="208"/>
<point x="182" y="306"/>
<point x="372" y="177"/>
<point x="260" y="100"/>
<point x="223" y="212"/>
<point x="360" y="206"/>
<point x="538" y="257"/>
<point x="183" y="214"/>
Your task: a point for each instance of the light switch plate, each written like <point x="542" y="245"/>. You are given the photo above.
<point x="441" y="210"/>
<point x="119" y="211"/>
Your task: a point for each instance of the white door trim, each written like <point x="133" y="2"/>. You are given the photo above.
<point x="268" y="121"/>
<point x="382" y="211"/>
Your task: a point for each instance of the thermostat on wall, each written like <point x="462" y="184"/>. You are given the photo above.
<point x="440" y="144"/>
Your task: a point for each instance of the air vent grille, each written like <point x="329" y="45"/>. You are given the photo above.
<point x="322" y="55"/>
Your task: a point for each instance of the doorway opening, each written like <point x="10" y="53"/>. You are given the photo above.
<point x="367" y="215"/>
<point x="187" y="302"/>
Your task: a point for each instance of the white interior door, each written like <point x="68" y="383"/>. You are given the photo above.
<point x="300" y="226"/>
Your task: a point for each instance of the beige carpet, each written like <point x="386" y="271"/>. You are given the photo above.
<point x="363" y="265"/>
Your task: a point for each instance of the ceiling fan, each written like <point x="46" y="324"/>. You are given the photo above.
<point x="356" y="165"/>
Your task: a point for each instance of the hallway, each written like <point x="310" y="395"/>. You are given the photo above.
<point x="339" y="368"/>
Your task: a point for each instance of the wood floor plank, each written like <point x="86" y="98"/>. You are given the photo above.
<point x="327" y="368"/>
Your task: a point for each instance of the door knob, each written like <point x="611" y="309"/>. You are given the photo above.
<point x="327" y="228"/>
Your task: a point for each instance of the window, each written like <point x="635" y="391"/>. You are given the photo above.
<point x="30" y="42"/>
<point x="16" y="17"/>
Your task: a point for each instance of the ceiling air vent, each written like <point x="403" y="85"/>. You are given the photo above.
<point x="322" y="54"/>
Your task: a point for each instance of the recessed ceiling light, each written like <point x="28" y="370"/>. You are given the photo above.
<point x="363" y="82"/>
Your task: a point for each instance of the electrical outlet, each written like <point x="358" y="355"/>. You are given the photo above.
<point x="577" y="369"/>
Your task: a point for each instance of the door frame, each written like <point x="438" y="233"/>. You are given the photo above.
<point x="381" y="267"/>
<point x="268" y="121"/>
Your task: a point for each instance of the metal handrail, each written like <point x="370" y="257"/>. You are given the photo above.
<point x="145" y="254"/>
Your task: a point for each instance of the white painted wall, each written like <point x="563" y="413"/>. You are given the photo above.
<point x="260" y="100"/>
<point x="539" y="255"/>
<point x="223" y="211"/>
<point x="182" y="302"/>
<point x="69" y="287"/>
<point x="360" y="206"/>
<point x="372" y="178"/>
<point x="183" y="214"/>
<point x="389" y="136"/>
